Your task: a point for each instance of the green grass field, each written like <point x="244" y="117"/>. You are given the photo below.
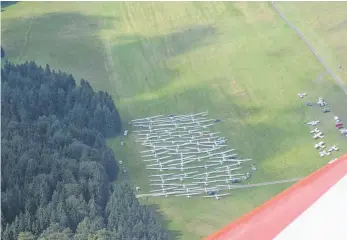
<point x="239" y="61"/>
<point x="325" y="26"/>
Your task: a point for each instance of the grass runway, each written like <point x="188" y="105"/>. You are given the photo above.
<point x="237" y="60"/>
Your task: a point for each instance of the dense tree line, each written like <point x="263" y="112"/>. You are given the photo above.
<point x="56" y="169"/>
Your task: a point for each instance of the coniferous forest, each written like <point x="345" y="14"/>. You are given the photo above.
<point x="56" y="169"/>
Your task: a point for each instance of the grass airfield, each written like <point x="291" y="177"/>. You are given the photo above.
<point x="239" y="61"/>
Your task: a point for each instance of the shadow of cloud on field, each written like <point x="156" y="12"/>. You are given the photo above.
<point x="143" y="61"/>
<point x="173" y="44"/>
<point x="71" y="42"/>
<point x="4" y="5"/>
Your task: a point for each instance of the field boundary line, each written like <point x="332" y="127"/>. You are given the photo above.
<point x="232" y="188"/>
<point x="319" y="58"/>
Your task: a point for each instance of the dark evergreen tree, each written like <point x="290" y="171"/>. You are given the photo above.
<point x="56" y="169"/>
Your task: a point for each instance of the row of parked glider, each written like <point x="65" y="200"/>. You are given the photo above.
<point x="185" y="159"/>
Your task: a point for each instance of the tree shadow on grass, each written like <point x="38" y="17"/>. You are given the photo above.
<point x="4" y="5"/>
<point x="173" y="235"/>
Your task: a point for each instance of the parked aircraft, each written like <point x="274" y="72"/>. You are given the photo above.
<point x="221" y="161"/>
<point x="231" y="176"/>
<point x="206" y="182"/>
<point x="206" y="166"/>
<point x="155" y="154"/>
<point x="206" y="178"/>
<point x="164" y="184"/>
<point x="212" y="134"/>
<point x="210" y="190"/>
<point x="318" y="135"/>
<point x="319" y="145"/>
<point x="153" y="150"/>
<point x="181" y="164"/>
<point x="227" y="180"/>
<point x="204" y="174"/>
<point x="324" y="153"/>
<point x="321" y="102"/>
<point x="313" y="123"/>
<point x="147" y="118"/>
<point x="163" y="189"/>
<point x="161" y="175"/>
<point x="162" y="180"/>
<point x="186" y="174"/>
<point x="225" y="157"/>
<point x="180" y="159"/>
<point x="157" y="168"/>
<point x="199" y="158"/>
<point x="333" y="148"/>
<point x="175" y="178"/>
<point x="177" y="150"/>
<point x="302" y="95"/>
<point x="207" y="125"/>
<point x="182" y="168"/>
<point x="166" y="194"/>
<point x="224" y="153"/>
<point x="217" y="196"/>
<point x="199" y="150"/>
<point x="156" y="159"/>
<point x="189" y="195"/>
